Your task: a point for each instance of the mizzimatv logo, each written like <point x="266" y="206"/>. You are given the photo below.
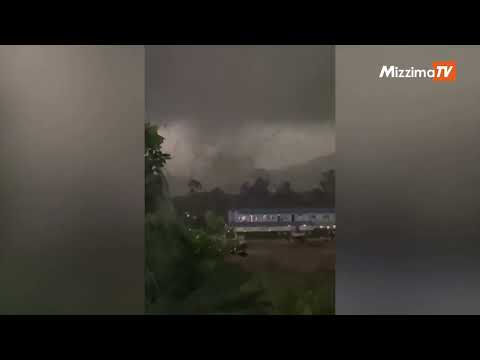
<point x="440" y="71"/>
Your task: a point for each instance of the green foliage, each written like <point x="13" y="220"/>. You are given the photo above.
<point x="214" y="224"/>
<point x="298" y="293"/>
<point x="286" y="303"/>
<point x="155" y="183"/>
<point x="187" y="274"/>
<point x="205" y="245"/>
<point x="185" y="270"/>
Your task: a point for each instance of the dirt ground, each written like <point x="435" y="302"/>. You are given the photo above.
<point x="314" y="255"/>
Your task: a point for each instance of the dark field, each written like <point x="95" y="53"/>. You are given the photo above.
<point x="298" y="278"/>
<point x="314" y="255"/>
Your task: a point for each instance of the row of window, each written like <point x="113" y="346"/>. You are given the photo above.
<point x="282" y="218"/>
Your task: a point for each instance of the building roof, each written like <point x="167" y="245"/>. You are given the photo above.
<point x="284" y="211"/>
<point x="262" y="224"/>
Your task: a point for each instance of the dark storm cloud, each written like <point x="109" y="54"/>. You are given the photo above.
<point x="255" y="106"/>
<point x="222" y="86"/>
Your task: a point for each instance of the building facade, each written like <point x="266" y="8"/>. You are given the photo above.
<point x="280" y="220"/>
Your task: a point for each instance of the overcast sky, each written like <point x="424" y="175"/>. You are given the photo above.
<point x="262" y="106"/>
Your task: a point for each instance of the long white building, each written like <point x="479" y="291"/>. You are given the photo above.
<point x="280" y="220"/>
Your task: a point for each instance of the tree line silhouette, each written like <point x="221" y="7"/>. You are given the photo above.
<point x="258" y="194"/>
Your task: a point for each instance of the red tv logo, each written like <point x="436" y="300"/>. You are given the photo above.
<point x="445" y="70"/>
<point x="440" y="71"/>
